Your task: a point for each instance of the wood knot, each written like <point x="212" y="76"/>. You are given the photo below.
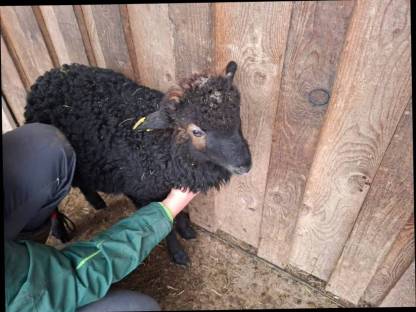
<point x="358" y="183"/>
<point x="260" y="78"/>
<point x="318" y="97"/>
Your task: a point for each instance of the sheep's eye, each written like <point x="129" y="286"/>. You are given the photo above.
<point x="198" y="133"/>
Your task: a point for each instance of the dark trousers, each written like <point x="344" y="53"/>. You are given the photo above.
<point x="38" y="167"/>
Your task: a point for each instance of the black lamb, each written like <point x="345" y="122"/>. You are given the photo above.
<point x="190" y="137"/>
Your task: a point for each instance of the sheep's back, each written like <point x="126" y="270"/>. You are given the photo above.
<point x="95" y="109"/>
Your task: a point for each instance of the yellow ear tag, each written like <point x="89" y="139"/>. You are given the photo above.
<point x="139" y="122"/>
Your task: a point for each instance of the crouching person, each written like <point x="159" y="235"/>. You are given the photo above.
<point x="38" y="166"/>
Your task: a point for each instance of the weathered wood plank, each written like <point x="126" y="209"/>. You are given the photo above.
<point x="26" y="45"/>
<point x="105" y="33"/>
<point x="46" y="36"/>
<point x="254" y="35"/>
<point x="371" y="91"/>
<point x="59" y="24"/>
<point x="7" y="122"/>
<point x="384" y="213"/>
<point x="401" y="254"/>
<point x="128" y="35"/>
<point x="193" y="53"/>
<point x="316" y="37"/>
<point x="84" y="34"/>
<point x="192" y="31"/>
<point x="203" y="212"/>
<point x="403" y="294"/>
<point x="155" y="53"/>
<point x="11" y="85"/>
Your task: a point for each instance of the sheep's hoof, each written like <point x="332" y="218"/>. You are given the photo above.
<point x="187" y="232"/>
<point x="180" y="257"/>
<point x="99" y="205"/>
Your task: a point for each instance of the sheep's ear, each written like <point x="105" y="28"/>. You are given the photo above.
<point x="156" y="120"/>
<point x="230" y="71"/>
<point x="171" y="98"/>
<point x="160" y="119"/>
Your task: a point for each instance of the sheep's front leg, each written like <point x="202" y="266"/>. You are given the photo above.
<point x="175" y="249"/>
<point x="93" y="198"/>
<point x="183" y="226"/>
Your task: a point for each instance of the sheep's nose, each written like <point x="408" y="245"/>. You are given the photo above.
<point x="244" y="167"/>
<point x="240" y="170"/>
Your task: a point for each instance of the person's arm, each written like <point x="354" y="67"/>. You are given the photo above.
<point x="39" y="277"/>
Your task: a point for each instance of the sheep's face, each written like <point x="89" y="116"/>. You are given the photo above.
<point x="205" y="115"/>
<point x="226" y="148"/>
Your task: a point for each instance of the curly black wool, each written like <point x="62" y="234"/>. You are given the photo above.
<point x="96" y="108"/>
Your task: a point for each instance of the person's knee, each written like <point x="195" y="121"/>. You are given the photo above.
<point x="40" y="144"/>
<point x="136" y="300"/>
<point x="39" y="165"/>
<point x="122" y="300"/>
<point x="51" y="139"/>
<point x="38" y="134"/>
<point x="50" y="135"/>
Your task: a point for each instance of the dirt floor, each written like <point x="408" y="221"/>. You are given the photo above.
<point x="221" y="276"/>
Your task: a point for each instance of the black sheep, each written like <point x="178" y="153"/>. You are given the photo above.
<point x="190" y="137"/>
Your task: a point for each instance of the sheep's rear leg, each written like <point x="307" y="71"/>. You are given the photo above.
<point x="183" y="226"/>
<point x="175" y="249"/>
<point x="93" y="198"/>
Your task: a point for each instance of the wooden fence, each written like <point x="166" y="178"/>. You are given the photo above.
<point x="326" y="108"/>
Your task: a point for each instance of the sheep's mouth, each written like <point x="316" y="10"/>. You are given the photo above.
<point x="238" y="170"/>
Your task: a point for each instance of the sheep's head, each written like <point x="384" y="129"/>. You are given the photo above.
<point x="205" y="115"/>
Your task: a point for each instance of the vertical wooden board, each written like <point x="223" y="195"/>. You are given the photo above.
<point x="401" y="254"/>
<point x="60" y="25"/>
<point x="403" y="293"/>
<point x="384" y="213"/>
<point x="84" y="34"/>
<point x="316" y="37"/>
<point x="25" y="42"/>
<point x="7" y="122"/>
<point x="11" y="85"/>
<point x="128" y="35"/>
<point x="154" y="50"/>
<point x="202" y="211"/>
<point x="105" y="32"/>
<point x="372" y="88"/>
<point x="254" y="35"/>
<point x="192" y="33"/>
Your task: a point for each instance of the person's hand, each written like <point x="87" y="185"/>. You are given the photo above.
<point x="177" y="200"/>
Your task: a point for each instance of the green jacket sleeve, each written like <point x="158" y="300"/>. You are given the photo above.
<point x="42" y="278"/>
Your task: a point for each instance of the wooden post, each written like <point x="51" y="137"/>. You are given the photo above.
<point x="254" y="35"/>
<point x="25" y="42"/>
<point x="128" y="36"/>
<point x="155" y="53"/>
<point x="315" y="41"/>
<point x="61" y="32"/>
<point x="105" y="34"/>
<point x="11" y="85"/>
<point x="401" y="254"/>
<point x="7" y="122"/>
<point x="384" y="213"/>
<point x="193" y="53"/>
<point x="403" y="293"/>
<point x="371" y="91"/>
